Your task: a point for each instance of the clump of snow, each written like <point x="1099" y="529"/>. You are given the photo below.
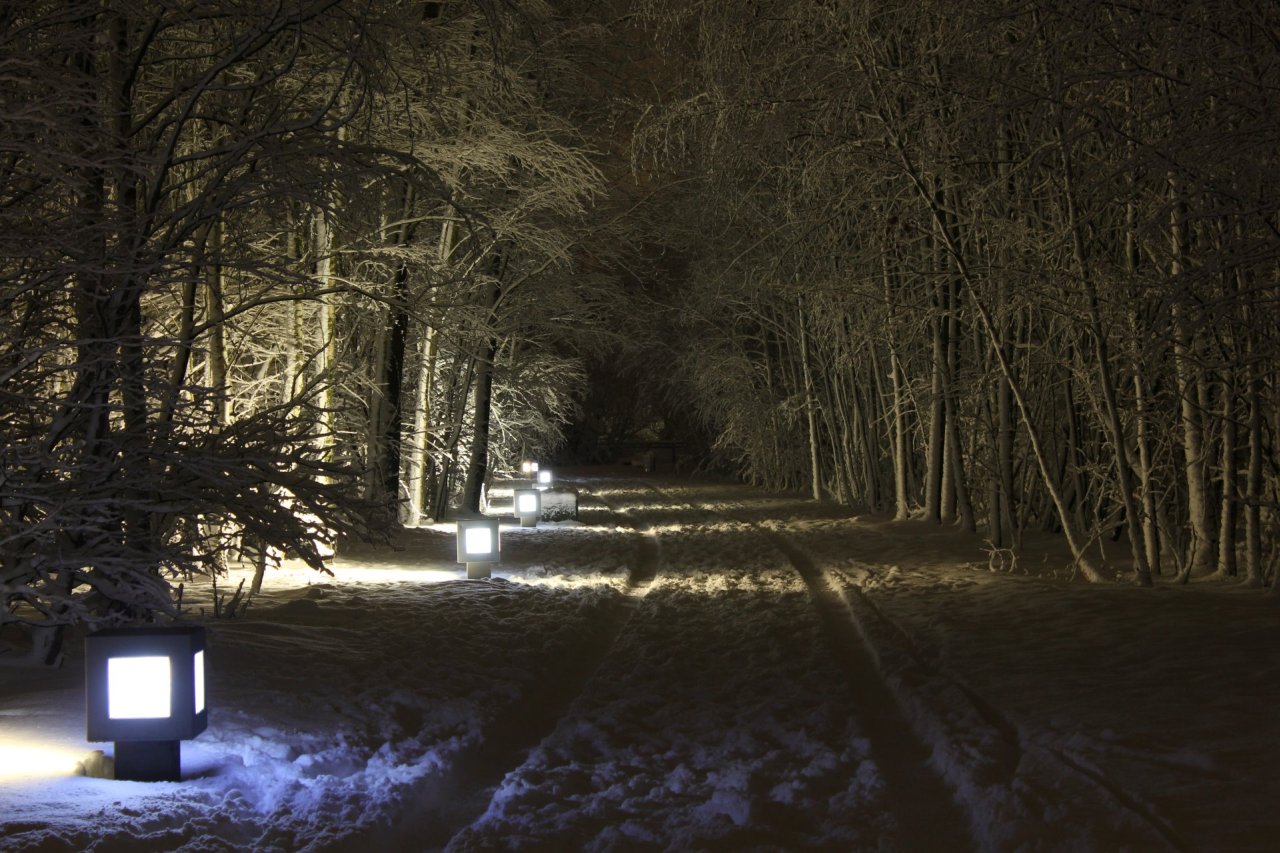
<point x="663" y="673"/>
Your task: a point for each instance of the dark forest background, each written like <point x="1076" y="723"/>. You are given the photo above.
<point x="274" y="274"/>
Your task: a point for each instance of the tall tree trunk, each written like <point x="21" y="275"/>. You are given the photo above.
<point x="478" y="467"/>
<point x="815" y="470"/>
<point x="1074" y="536"/>
<point x="216" y="358"/>
<point x="934" y="477"/>
<point x="1230" y="490"/>
<point x="1190" y="394"/>
<point x="1254" y="485"/>
<point x="958" y="487"/>
<point x="1146" y="473"/>
<point x="1102" y="357"/>
<point x="394" y="366"/>
<point x="901" y="473"/>
<point x="326" y="332"/>
<point x="393" y="380"/>
<point x="1002" y="523"/>
<point x="419" y="442"/>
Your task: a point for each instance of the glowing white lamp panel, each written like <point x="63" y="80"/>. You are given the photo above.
<point x="478" y="540"/>
<point x="138" y="688"/>
<point x="544" y="477"/>
<point x="528" y="504"/>
<point x="199" y="676"/>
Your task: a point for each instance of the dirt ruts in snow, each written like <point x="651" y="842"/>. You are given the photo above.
<point x="718" y="720"/>
<point x="453" y="799"/>
<point x="648" y="550"/>
<point x="927" y="815"/>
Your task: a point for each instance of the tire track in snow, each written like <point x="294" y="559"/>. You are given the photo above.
<point x="981" y="755"/>
<point x="992" y="764"/>
<point x="710" y="735"/>
<point x="923" y="807"/>
<point x="451" y="801"/>
<point x="648" y="549"/>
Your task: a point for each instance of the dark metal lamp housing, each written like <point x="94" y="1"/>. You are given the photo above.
<point x="144" y="690"/>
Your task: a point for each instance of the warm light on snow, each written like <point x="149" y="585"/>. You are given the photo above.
<point x="138" y="688"/>
<point x="24" y="760"/>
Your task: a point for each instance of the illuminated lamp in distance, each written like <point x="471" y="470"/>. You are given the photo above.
<point x="528" y="506"/>
<point x="479" y="545"/>
<point x="544" y="478"/>
<point x="144" y="690"/>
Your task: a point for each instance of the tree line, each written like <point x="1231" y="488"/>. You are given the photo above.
<point x="275" y="273"/>
<point x="1013" y="266"/>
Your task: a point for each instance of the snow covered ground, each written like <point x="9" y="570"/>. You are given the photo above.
<point x="691" y="665"/>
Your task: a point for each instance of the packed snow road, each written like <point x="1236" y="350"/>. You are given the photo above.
<point x="721" y="717"/>
<point x="689" y="665"/>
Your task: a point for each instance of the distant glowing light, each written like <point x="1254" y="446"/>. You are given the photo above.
<point x="544" y="477"/>
<point x="528" y="504"/>
<point x="138" y="688"/>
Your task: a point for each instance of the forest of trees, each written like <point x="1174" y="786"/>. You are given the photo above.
<point x="272" y="273"/>
<point x="1008" y="265"/>
<point x="275" y="273"/>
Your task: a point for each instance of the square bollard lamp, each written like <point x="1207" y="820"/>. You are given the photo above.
<point x="478" y="545"/>
<point x="144" y="690"/>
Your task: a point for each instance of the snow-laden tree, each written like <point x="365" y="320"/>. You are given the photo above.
<point x="1028" y="250"/>
<point x="158" y="157"/>
<point x="252" y="253"/>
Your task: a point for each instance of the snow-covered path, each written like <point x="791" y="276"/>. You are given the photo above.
<point x="692" y="665"/>
<point x="722" y="718"/>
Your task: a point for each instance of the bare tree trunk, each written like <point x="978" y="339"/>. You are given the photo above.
<point x="1189" y="396"/>
<point x="956" y="492"/>
<point x="901" y="473"/>
<point x="478" y="468"/>
<point x="216" y="358"/>
<point x="420" y="436"/>
<point x="1075" y="538"/>
<point x="934" y="478"/>
<point x="815" y="470"/>
<point x="1254" y="484"/>
<point x="1230" y="488"/>
<point x="1146" y="475"/>
<point x="326" y="330"/>
<point x="1002" y="505"/>
<point x="1102" y="356"/>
